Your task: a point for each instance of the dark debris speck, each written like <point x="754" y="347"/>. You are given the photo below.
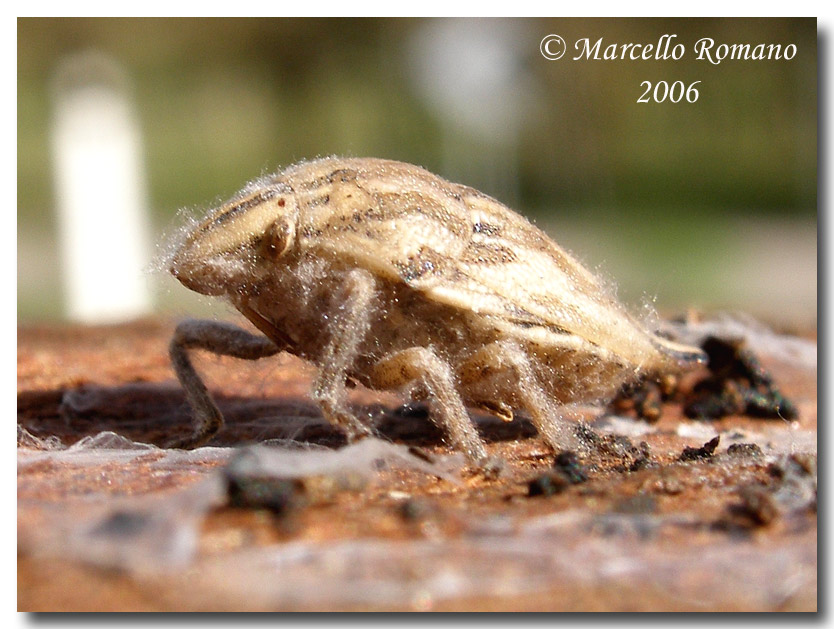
<point x="745" y="450"/>
<point x="413" y="510"/>
<point x="737" y="385"/>
<point x="247" y="487"/>
<point x="734" y="383"/>
<point x="790" y="490"/>
<point x="628" y="457"/>
<point x="548" y="484"/>
<point x="123" y="524"/>
<point x="706" y="451"/>
<point x="759" y="504"/>
<point x="567" y="471"/>
<point x="274" y="494"/>
<point x="568" y="463"/>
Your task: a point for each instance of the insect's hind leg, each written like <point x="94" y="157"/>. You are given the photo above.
<point x="219" y="338"/>
<point x="446" y="406"/>
<point x="494" y="362"/>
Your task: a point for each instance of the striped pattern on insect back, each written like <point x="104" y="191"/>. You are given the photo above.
<point x="454" y="244"/>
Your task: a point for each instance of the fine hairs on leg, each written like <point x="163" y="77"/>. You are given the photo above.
<point x="219" y="338"/>
<point x="347" y="330"/>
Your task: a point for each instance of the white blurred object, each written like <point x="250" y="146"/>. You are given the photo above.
<point x="100" y="193"/>
<point x="471" y="73"/>
<point x="468" y="70"/>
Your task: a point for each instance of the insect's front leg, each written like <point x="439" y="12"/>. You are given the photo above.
<point x="220" y="338"/>
<point x="500" y="359"/>
<point x="348" y="325"/>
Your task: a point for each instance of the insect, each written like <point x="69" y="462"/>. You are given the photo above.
<point x="381" y="273"/>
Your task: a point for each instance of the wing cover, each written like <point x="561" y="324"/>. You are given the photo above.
<point x="459" y="247"/>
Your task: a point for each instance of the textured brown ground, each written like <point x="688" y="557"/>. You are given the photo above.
<point x="79" y="381"/>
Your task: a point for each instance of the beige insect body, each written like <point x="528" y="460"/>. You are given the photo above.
<point x="380" y="272"/>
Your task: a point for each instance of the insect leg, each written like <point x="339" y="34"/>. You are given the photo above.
<point x="448" y="411"/>
<point x="219" y="338"/>
<point x="347" y="329"/>
<point x="502" y="357"/>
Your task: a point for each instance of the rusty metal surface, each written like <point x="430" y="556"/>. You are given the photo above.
<point x="713" y="533"/>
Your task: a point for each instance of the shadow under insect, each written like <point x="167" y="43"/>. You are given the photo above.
<point x="153" y="412"/>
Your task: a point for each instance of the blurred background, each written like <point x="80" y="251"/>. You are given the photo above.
<point x="708" y="205"/>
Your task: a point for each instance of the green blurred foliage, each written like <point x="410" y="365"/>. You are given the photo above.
<point x="221" y="100"/>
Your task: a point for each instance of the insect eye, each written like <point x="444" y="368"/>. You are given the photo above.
<point x="277" y="239"/>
